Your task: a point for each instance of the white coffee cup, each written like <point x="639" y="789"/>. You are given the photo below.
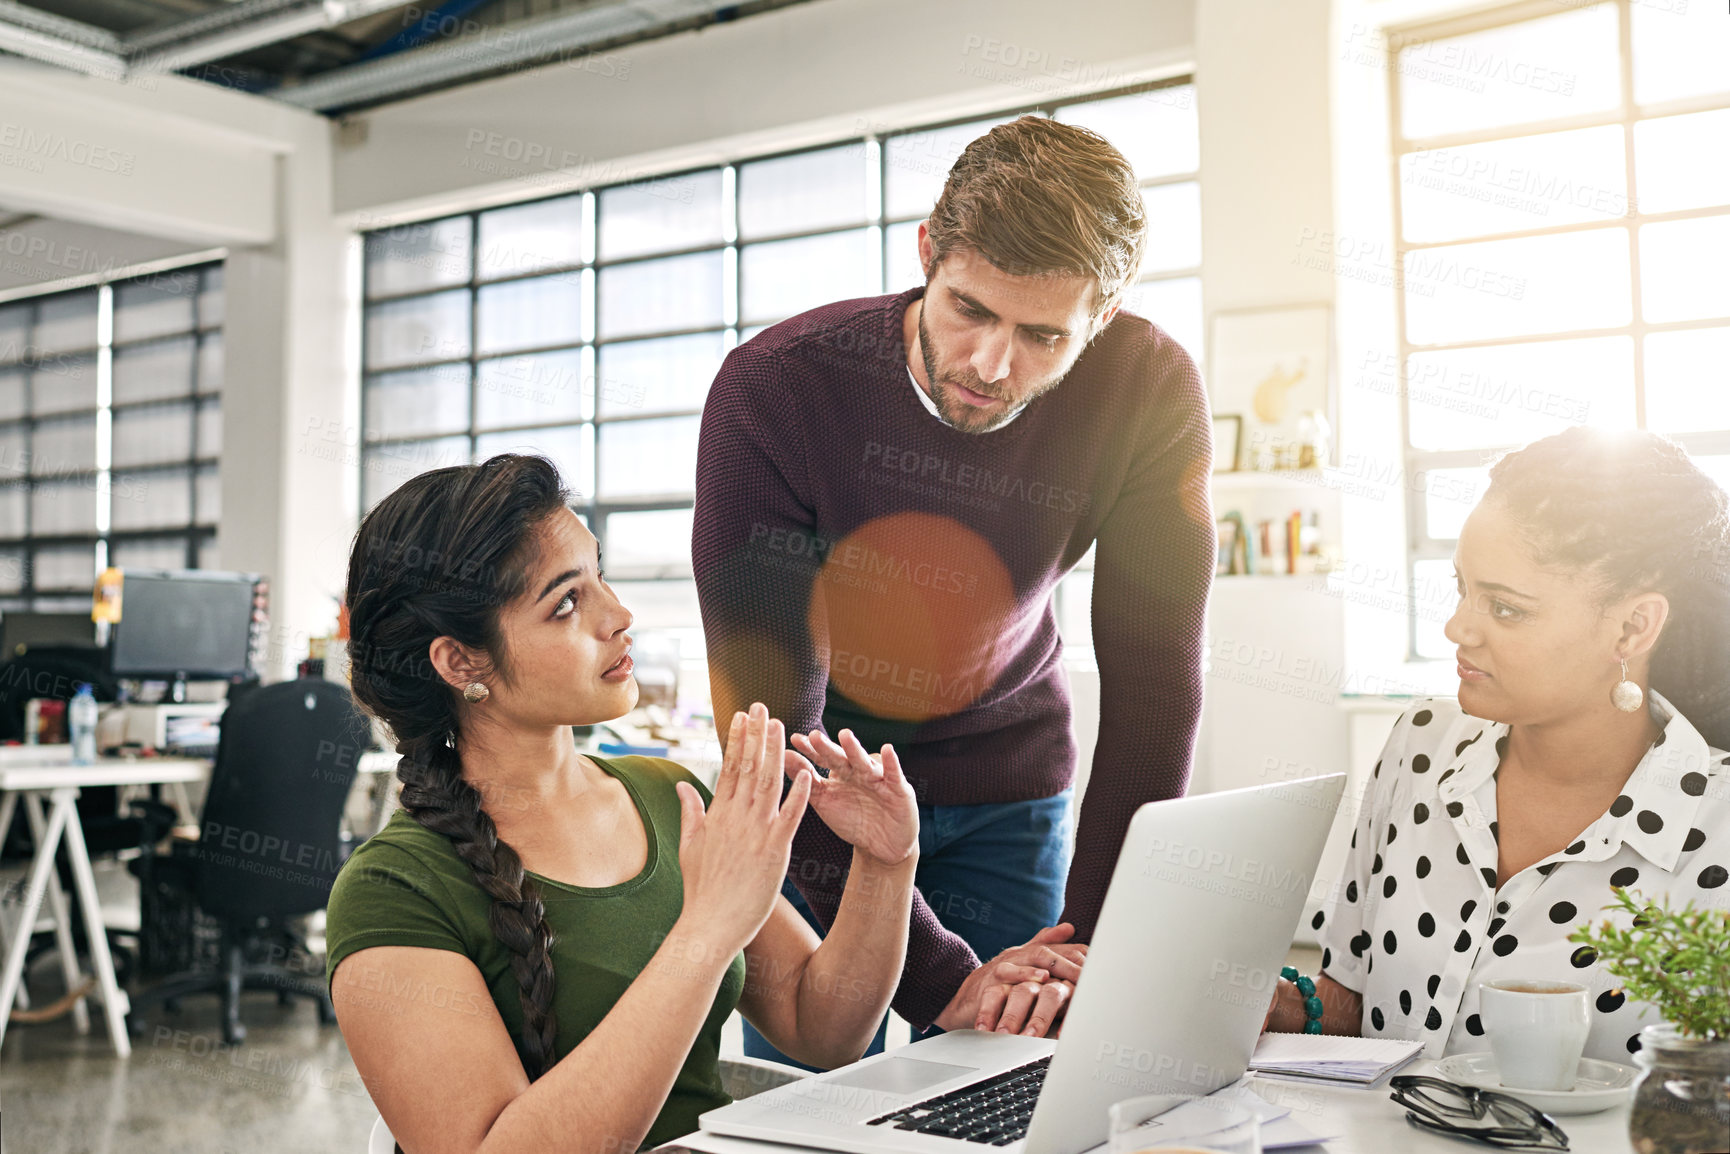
<point x="1537" y="1029"/>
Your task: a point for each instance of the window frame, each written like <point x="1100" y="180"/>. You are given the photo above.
<point x="1417" y="463"/>
<point x="197" y="531"/>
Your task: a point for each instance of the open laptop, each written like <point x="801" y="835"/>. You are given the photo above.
<point x="1202" y="906"/>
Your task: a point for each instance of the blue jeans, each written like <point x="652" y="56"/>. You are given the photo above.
<point x="993" y="875"/>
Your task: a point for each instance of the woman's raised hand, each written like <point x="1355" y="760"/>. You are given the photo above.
<point x="865" y="800"/>
<point x="734" y="856"/>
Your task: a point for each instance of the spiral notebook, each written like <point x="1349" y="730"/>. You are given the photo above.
<point x="1331" y="1058"/>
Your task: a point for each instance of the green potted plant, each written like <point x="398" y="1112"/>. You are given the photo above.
<point x="1679" y="961"/>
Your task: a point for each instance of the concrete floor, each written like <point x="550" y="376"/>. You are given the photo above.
<point x="289" y="1088"/>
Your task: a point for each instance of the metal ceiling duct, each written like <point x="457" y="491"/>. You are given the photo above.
<point x="185" y="43"/>
<point x="500" y="48"/>
<point x="54" y="39"/>
<point x="228" y="31"/>
<point x="249" y="24"/>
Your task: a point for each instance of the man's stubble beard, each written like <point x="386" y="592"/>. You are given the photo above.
<point x="958" y="413"/>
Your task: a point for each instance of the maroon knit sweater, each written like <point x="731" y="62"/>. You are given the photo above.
<point x="861" y="564"/>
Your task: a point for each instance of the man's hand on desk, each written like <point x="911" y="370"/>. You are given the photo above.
<point x="1023" y="990"/>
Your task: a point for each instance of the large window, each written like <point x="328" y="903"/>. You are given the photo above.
<point x="589" y="326"/>
<point x="1563" y="199"/>
<point x="110" y="429"/>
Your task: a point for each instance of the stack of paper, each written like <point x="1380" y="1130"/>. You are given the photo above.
<point x="1331" y="1057"/>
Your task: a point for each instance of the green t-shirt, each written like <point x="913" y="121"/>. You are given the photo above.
<point x="406" y="886"/>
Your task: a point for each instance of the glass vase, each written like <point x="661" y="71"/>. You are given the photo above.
<point x="1682" y="1096"/>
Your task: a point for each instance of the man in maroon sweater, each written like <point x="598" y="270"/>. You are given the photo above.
<point x="888" y="491"/>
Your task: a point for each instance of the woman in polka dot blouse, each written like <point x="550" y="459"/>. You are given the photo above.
<point x="1495" y="826"/>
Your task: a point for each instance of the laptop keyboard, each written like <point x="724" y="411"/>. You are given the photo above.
<point x="994" y="1112"/>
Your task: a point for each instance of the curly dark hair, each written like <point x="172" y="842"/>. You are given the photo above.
<point x="440" y="557"/>
<point x="1633" y="513"/>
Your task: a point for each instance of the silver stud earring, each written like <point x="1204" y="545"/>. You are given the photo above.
<point x="1626" y="695"/>
<point x="477" y="691"/>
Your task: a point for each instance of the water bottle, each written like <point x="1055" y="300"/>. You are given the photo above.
<point x="81" y="721"/>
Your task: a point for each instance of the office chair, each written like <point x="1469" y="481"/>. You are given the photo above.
<point x="270" y="843"/>
<point x="55" y="672"/>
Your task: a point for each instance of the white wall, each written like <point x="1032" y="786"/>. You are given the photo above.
<point x="782" y="79"/>
<point x="1262" y="94"/>
<point x="148" y="158"/>
<point x="291" y="410"/>
<point x="38" y="250"/>
<point x="1276" y="650"/>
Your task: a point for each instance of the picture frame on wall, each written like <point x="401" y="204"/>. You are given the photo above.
<point x="1227" y="441"/>
<point x="1273" y="366"/>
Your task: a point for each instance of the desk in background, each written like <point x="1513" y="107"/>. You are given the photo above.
<point x="42" y="773"/>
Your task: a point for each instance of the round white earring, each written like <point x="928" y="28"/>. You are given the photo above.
<point x="1625" y="695"/>
<point x="477" y="691"/>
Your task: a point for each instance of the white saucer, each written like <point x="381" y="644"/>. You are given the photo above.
<point x="1598" y="1086"/>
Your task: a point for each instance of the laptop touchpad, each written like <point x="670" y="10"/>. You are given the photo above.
<point x="899" y="1075"/>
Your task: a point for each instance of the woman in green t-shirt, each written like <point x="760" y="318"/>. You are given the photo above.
<point x="538" y="952"/>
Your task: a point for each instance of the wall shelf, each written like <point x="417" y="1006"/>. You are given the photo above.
<point x="1271" y="479"/>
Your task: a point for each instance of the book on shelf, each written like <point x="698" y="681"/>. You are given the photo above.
<point x="1287" y="546"/>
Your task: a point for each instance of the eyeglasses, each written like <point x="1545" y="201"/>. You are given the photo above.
<point x="1486" y="1116"/>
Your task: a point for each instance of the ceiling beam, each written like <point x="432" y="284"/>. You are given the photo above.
<point x="121" y="158"/>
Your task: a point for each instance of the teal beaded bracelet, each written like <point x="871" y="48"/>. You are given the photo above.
<point x="1312" y="1003"/>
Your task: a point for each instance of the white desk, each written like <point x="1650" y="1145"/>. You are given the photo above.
<point x="37" y="772"/>
<point x="1368" y="1123"/>
<point x="1365" y="1121"/>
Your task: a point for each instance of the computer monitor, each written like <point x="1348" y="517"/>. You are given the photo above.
<point x="21" y="631"/>
<point x="185" y="623"/>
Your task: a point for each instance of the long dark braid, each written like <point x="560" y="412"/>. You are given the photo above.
<point x="438" y="558"/>
<point x="1631" y="511"/>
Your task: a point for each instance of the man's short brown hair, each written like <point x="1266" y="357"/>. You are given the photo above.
<point x="1038" y="197"/>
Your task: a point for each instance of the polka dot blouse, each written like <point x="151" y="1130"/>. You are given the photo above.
<point x="1416" y="923"/>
